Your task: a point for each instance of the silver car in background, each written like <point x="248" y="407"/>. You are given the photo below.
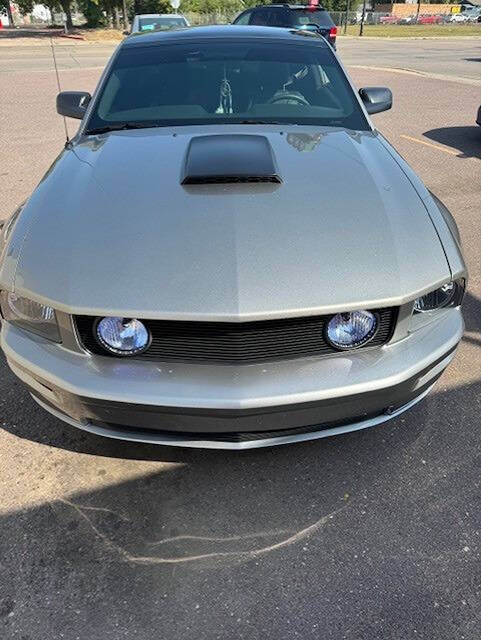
<point x="228" y="254"/>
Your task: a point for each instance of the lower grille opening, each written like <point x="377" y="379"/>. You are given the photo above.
<point x="244" y="436"/>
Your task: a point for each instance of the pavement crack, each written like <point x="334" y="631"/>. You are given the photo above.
<point x="132" y="558"/>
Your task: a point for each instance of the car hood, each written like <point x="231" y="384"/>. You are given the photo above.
<point x="111" y="230"/>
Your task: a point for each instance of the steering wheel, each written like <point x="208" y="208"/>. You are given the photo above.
<point x="289" y="97"/>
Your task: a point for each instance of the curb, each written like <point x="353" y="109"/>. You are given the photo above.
<point x="70" y="36"/>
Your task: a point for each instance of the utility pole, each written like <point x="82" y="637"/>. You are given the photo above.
<point x="347" y="16"/>
<point x="363" y="17"/>
<point x="124" y="11"/>
<point x="418" y="9"/>
<point x="10" y="14"/>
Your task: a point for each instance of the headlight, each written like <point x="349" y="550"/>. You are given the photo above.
<point x="351" y="330"/>
<point x="29" y="315"/>
<point x="122" y="336"/>
<point x="449" y="295"/>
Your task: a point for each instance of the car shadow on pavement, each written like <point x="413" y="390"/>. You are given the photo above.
<point x="466" y="140"/>
<point x="472" y="319"/>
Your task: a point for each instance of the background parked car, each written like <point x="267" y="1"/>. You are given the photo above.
<point x="458" y="17"/>
<point x="4" y="18"/>
<point x="472" y="14"/>
<point x="407" y="20"/>
<point x="427" y="18"/>
<point x="156" y="21"/>
<point x="389" y="19"/>
<point x="288" y="15"/>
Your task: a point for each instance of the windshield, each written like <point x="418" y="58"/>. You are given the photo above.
<point x="226" y="82"/>
<point x="151" y="24"/>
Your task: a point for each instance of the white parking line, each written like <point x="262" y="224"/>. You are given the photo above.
<point x="429" y="144"/>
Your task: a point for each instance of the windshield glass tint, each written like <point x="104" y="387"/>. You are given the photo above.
<point x="225" y="82"/>
<point x="150" y="24"/>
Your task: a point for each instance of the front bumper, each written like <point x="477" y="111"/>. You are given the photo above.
<point x="234" y="407"/>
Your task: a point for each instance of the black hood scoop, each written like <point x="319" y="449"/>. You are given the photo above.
<point x="229" y="158"/>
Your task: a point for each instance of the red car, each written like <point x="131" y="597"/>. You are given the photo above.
<point x="389" y="19"/>
<point x="429" y="19"/>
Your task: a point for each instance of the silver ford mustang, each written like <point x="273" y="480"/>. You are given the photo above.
<point x="228" y="254"/>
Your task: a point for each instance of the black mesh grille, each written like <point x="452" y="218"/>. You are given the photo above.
<point x="236" y="342"/>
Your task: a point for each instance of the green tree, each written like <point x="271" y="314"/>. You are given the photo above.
<point x="93" y="13"/>
<point x="25" y="6"/>
<point x="151" y="6"/>
<point x="214" y="6"/>
<point x="53" y="6"/>
<point x="67" y="9"/>
<point x="97" y="12"/>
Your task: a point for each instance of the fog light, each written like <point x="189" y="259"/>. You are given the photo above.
<point x="352" y="329"/>
<point x="122" y="336"/>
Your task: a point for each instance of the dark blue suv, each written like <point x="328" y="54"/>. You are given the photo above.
<point x="291" y="16"/>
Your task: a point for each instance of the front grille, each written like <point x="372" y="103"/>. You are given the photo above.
<point x="236" y="342"/>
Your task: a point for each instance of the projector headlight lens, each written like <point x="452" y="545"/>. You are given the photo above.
<point x="449" y="295"/>
<point x="123" y="336"/>
<point x="352" y="329"/>
<point x="32" y="316"/>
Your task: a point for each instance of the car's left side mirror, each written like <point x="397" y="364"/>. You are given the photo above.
<point x="73" y="104"/>
<point x="376" y="99"/>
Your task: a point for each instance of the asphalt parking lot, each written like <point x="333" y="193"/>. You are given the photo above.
<point x="369" y="535"/>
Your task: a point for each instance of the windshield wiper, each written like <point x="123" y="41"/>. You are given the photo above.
<point x="121" y="126"/>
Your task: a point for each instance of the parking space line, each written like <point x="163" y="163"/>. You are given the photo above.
<point x="429" y="144"/>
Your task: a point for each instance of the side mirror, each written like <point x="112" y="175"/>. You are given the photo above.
<point x="73" y="103"/>
<point x="376" y="99"/>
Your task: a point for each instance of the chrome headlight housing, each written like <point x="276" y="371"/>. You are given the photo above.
<point x="29" y="315"/>
<point x="449" y="295"/>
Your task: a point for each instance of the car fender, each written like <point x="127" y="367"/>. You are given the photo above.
<point x="442" y="219"/>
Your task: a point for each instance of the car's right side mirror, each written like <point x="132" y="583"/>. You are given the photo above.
<point x="73" y="103"/>
<point x="376" y="99"/>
